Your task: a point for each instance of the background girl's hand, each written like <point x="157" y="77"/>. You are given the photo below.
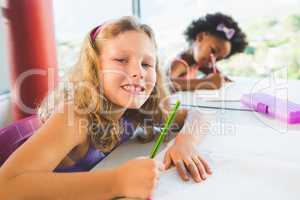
<point x="137" y="178"/>
<point x="186" y="159"/>
<point x="216" y="80"/>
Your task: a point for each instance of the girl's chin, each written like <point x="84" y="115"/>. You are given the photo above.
<point x="135" y="103"/>
<point x="132" y="102"/>
<point x="134" y="106"/>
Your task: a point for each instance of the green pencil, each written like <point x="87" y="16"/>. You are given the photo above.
<point x="166" y="127"/>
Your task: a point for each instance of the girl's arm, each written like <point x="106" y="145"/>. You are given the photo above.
<point x="212" y="81"/>
<point x="208" y="71"/>
<point x="195" y="126"/>
<point x="47" y="185"/>
<point x="27" y="174"/>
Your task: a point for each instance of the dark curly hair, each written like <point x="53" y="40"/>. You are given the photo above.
<point x="209" y="24"/>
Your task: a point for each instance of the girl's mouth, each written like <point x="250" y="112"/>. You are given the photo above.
<point x="133" y="88"/>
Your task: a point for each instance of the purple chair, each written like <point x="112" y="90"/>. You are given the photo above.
<point x="15" y="134"/>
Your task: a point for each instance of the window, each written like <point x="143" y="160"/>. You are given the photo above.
<point x="4" y="74"/>
<point x="272" y="27"/>
<point x="74" y="19"/>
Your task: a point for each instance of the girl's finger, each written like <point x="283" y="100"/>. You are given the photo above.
<point x="167" y="161"/>
<point x="206" y="165"/>
<point x="200" y="167"/>
<point x="193" y="170"/>
<point x="181" y="170"/>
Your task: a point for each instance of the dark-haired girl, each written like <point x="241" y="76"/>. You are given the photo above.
<point x="211" y="38"/>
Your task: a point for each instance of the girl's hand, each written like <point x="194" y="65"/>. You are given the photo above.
<point x="216" y="80"/>
<point x="186" y="159"/>
<point x="137" y="178"/>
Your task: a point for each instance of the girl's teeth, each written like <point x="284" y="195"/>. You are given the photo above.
<point x="133" y="88"/>
<point x="137" y="89"/>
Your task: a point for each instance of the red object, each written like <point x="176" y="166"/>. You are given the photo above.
<point x="32" y="52"/>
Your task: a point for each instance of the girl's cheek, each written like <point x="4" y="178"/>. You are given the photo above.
<point x="197" y="53"/>
<point x="151" y="80"/>
<point x="152" y="77"/>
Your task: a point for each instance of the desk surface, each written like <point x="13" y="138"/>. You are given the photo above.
<point x="259" y="159"/>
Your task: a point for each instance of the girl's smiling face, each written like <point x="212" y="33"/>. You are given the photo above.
<point x="207" y="44"/>
<point x="128" y="69"/>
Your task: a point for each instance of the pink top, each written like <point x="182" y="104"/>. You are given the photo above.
<point x="191" y="71"/>
<point x="192" y="68"/>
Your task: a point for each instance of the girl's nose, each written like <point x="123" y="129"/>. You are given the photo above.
<point x="137" y="71"/>
<point x="137" y="76"/>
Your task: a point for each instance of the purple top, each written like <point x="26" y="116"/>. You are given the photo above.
<point x="94" y="156"/>
<point x="14" y="135"/>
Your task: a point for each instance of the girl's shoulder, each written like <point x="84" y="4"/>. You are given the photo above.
<point x="186" y="58"/>
<point x="181" y="62"/>
<point x="70" y="120"/>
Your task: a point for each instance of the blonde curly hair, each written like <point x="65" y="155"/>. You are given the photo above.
<point x="91" y="98"/>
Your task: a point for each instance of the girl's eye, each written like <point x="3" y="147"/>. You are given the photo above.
<point x="146" y="65"/>
<point x="122" y="61"/>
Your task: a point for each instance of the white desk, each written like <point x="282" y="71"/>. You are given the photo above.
<point x="260" y="159"/>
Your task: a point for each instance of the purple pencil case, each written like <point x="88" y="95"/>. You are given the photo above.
<point x="284" y="110"/>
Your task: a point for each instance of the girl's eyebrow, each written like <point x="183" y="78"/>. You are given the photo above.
<point x="127" y="53"/>
<point x="150" y="57"/>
